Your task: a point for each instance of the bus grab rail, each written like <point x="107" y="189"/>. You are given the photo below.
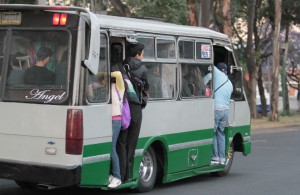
<point x="232" y="109"/>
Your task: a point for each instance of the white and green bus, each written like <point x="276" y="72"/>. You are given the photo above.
<point x="60" y="135"/>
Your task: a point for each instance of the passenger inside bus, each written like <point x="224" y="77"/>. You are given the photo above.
<point x="49" y="39"/>
<point x="185" y="88"/>
<point x="61" y="64"/>
<point x="96" y="89"/>
<point x="207" y="82"/>
<point x="158" y="87"/>
<point x="39" y="74"/>
<point x="196" y="81"/>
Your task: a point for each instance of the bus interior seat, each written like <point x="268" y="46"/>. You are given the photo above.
<point x="25" y="59"/>
<point x="15" y="77"/>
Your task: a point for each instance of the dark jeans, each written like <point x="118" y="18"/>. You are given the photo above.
<point x="127" y="142"/>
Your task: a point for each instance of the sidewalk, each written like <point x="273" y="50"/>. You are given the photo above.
<point x="264" y="125"/>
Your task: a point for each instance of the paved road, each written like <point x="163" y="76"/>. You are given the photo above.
<point x="271" y="169"/>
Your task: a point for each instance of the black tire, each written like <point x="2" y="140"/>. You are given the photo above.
<point x="228" y="163"/>
<point x="148" y="171"/>
<point x="26" y="185"/>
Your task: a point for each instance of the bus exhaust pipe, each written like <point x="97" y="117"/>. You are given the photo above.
<point x="46" y="187"/>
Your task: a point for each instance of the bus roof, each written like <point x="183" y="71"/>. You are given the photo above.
<point x="158" y="27"/>
<point x="133" y="24"/>
<point x="39" y="7"/>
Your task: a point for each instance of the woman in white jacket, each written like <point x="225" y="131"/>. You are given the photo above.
<point x="117" y="95"/>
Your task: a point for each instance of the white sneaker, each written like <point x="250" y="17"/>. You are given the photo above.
<point x="214" y="162"/>
<point x="222" y="161"/>
<point x="114" y="183"/>
<point x="110" y="177"/>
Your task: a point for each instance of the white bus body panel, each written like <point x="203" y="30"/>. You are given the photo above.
<point x="31" y="130"/>
<point x="168" y="117"/>
<point x="38" y="127"/>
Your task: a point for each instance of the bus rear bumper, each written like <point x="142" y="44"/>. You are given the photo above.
<point x="39" y="174"/>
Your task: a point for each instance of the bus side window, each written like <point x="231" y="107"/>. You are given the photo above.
<point x="156" y="82"/>
<point x="166" y="48"/>
<point x="161" y="78"/>
<point x="193" y="83"/>
<point x="97" y="86"/>
<point x="149" y="42"/>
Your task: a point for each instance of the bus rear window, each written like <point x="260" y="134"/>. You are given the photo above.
<point x="36" y="66"/>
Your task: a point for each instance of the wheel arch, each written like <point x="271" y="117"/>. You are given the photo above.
<point x="238" y="143"/>
<point x="159" y="145"/>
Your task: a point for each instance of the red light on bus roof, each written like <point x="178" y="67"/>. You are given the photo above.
<point x="55" y="20"/>
<point x="59" y="19"/>
<point x="63" y="19"/>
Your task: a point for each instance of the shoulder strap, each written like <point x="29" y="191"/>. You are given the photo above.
<point x="118" y="93"/>
<point x="220" y="86"/>
<point x="133" y="78"/>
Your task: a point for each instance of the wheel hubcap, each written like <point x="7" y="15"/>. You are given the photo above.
<point x="146" y="167"/>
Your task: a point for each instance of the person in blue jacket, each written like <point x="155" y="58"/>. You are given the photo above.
<point x="222" y="93"/>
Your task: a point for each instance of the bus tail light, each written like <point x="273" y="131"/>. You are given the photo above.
<point x="74" y="132"/>
<point x="59" y="19"/>
<point x="63" y="19"/>
<point x="55" y="20"/>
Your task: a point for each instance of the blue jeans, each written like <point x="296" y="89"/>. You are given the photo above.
<point x="115" y="165"/>
<point x="221" y="119"/>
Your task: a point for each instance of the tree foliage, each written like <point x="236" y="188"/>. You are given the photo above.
<point x="174" y="11"/>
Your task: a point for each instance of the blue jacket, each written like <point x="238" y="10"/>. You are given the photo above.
<point x="223" y="94"/>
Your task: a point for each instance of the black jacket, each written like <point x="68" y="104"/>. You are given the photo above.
<point x="138" y="69"/>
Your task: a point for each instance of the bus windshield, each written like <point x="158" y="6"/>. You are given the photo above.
<point x="34" y="65"/>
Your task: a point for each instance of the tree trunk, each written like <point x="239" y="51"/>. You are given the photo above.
<point x="261" y="91"/>
<point x="276" y="61"/>
<point x="286" y="95"/>
<point x="258" y="52"/>
<point x="227" y="18"/>
<point x="199" y="13"/>
<point x="192" y="15"/>
<point x="251" y="60"/>
<point x="205" y="13"/>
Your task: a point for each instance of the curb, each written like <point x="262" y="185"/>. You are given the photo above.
<point x="275" y="129"/>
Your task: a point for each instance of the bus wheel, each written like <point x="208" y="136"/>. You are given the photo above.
<point x="148" y="171"/>
<point x="228" y="164"/>
<point x="26" y="185"/>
